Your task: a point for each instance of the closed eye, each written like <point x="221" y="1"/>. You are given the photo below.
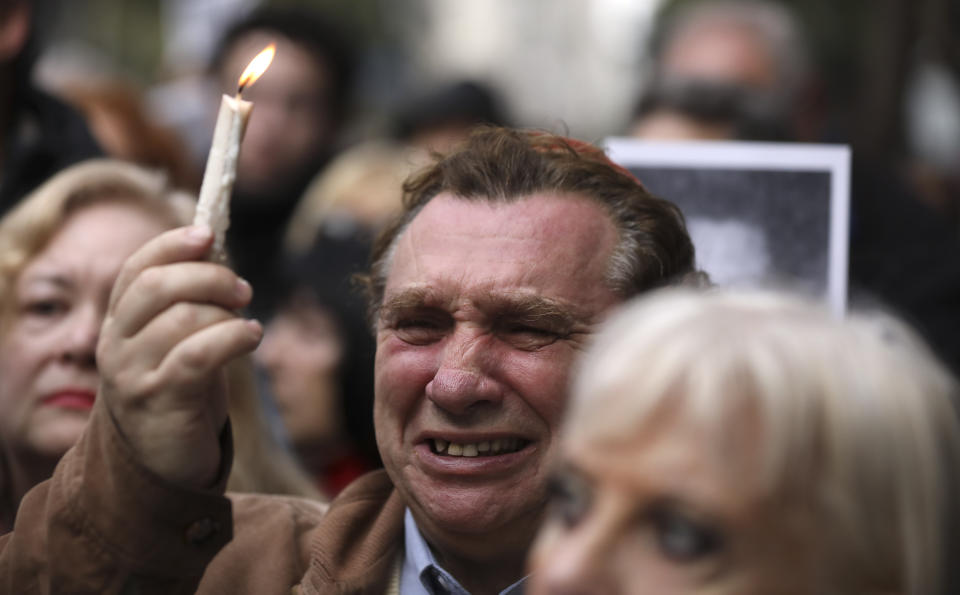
<point x="420" y="330"/>
<point x="528" y="337"/>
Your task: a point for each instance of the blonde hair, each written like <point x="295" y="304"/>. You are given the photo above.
<point x="855" y="414"/>
<point x="27" y="229"/>
<point x="260" y="465"/>
<point x="364" y="182"/>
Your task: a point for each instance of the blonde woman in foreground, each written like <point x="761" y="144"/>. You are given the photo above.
<point x="749" y="443"/>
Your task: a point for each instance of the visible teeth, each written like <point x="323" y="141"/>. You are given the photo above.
<point x="473" y="449"/>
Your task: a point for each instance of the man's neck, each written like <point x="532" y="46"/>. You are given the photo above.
<point x="483" y="566"/>
<point x="488" y="577"/>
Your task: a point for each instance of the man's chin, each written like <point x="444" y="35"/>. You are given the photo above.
<point x="475" y="510"/>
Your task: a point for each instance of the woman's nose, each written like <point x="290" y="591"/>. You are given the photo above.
<point x="81" y="334"/>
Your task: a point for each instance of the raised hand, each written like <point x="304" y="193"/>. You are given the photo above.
<point x="170" y="327"/>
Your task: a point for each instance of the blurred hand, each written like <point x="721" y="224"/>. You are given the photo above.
<point x="169" y="329"/>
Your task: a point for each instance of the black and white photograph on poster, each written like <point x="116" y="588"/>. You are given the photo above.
<point x="758" y="213"/>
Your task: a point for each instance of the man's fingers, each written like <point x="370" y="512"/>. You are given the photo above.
<point x="160" y="288"/>
<point x="161" y="335"/>
<point x="196" y="356"/>
<point x="176" y="245"/>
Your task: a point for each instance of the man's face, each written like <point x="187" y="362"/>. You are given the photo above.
<point x="485" y="307"/>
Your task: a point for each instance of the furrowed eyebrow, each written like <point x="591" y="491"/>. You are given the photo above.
<point x="413" y="297"/>
<point x="517" y="306"/>
<point x="533" y="309"/>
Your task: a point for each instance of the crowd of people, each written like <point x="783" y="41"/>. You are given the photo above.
<point x="462" y="357"/>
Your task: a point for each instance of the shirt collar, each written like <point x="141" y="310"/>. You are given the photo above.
<point x="422" y="574"/>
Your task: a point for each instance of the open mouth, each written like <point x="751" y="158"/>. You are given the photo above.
<point x="487" y="448"/>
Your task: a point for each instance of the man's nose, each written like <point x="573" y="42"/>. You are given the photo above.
<point x="82" y="332"/>
<point x="462" y="380"/>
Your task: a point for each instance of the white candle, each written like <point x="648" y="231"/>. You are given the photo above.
<point x="213" y="207"/>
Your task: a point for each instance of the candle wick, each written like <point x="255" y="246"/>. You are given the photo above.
<point x="240" y="89"/>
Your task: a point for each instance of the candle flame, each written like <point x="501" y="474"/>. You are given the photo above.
<point x="256" y="67"/>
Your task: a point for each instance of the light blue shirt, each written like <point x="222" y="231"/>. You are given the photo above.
<point x="421" y="575"/>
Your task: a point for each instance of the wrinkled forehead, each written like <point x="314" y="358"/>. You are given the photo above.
<point x="557" y="246"/>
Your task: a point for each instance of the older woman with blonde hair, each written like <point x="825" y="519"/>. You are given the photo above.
<point x="748" y="442"/>
<point x="61" y="249"/>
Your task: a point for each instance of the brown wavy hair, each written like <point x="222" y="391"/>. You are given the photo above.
<point x="505" y="165"/>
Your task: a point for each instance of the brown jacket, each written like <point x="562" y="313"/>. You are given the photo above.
<point x="103" y="524"/>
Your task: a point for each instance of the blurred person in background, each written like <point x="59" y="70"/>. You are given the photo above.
<point x="118" y="118"/>
<point x="360" y="190"/>
<point x="742" y="70"/>
<point x="301" y="104"/>
<point x="439" y="118"/>
<point x="39" y="135"/>
<point x="60" y="251"/>
<point x="750" y="443"/>
<point x="318" y="352"/>
<point x="738" y="68"/>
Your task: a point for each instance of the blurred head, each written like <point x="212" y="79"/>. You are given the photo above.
<point x="361" y="186"/>
<point x="14" y="29"/>
<point x="119" y="119"/>
<point x="301" y="351"/>
<point x="753" y="44"/>
<point x="441" y="118"/>
<point x="507" y="253"/>
<point x="747" y="442"/>
<point x="318" y="352"/>
<point x="301" y="99"/>
<point x="61" y="249"/>
<point x="728" y="69"/>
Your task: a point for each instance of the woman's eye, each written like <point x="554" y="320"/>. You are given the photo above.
<point x="683" y="539"/>
<point x="569" y="500"/>
<point x="44" y="308"/>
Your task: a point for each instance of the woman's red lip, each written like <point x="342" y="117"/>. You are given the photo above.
<point x="81" y="400"/>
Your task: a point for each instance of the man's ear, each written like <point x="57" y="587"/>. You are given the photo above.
<point x="14" y="29"/>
